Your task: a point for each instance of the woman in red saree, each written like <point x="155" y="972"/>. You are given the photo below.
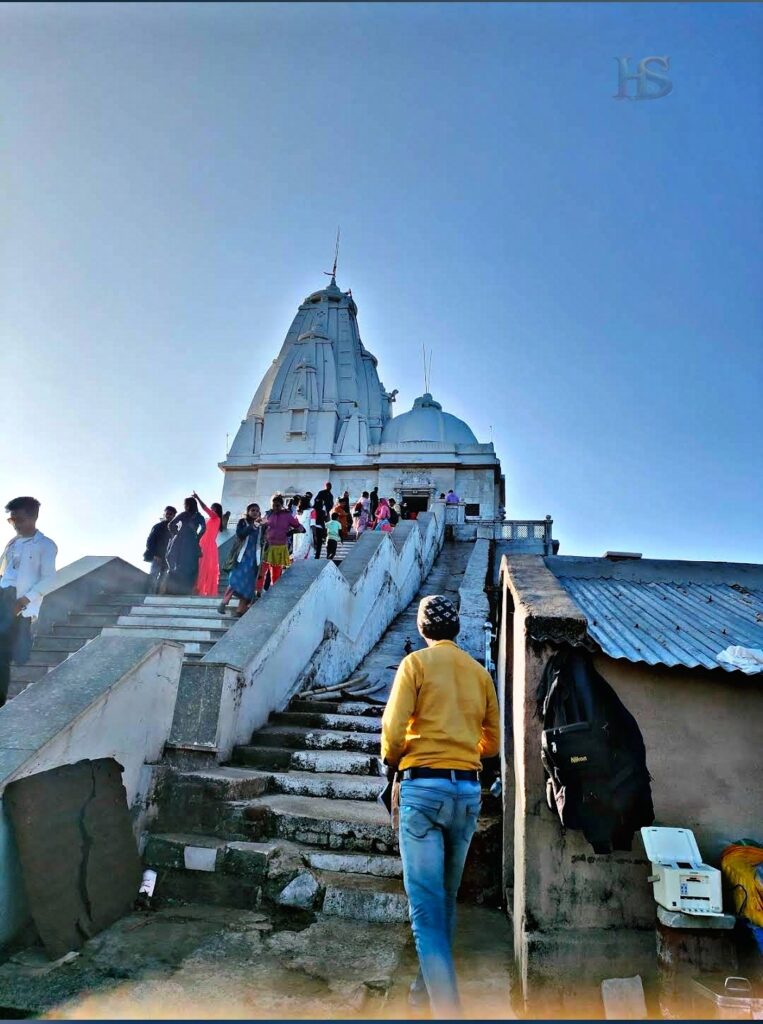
<point x="209" y="564"/>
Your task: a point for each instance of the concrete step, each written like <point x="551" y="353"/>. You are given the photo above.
<point x="120" y="599"/>
<point x="335" y="707"/>
<point x="185" y="851"/>
<point x="98" y="608"/>
<point x="82" y="633"/>
<point x="90" y="619"/>
<point x="202" y="869"/>
<point x="169" y="601"/>
<point x="301" y="738"/>
<point x="227" y="782"/>
<point x="342" y="762"/>
<point x="379" y="864"/>
<point x="174" y="621"/>
<point x="336" y="723"/>
<point x="356" y="825"/>
<point x="167" y="850"/>
<point x="29" y="673"/>
<point x="151" y="611"/>
<point x="328" y="785"/>
<point x="59" y="644"/>
<point x="363" y="887"/>
<point x="49" y="658"/>
<point x="363" y="897"/>
<point x="184" y="633"/>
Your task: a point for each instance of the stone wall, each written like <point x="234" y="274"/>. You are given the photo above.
<point x="113" y="698"/>
<point x="317" y="624"/>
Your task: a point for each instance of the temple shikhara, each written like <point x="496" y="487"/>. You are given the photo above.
<point x="322" y="413"/>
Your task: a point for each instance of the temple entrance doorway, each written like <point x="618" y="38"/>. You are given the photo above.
<point x="412" y="504"/>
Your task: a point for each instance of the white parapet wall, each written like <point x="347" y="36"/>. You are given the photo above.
<point x="82" y="582"/>
<point x="474" y="607"/>
<point x="113" y="698"/>
<point x="319" y="622"/>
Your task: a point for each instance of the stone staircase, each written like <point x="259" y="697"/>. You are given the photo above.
<point x="343" y="548"/>
<point x="296" y="807"/>
<point x="62" y="639"/>
<point x="294" y="820"/>
<point x="194" y="621"/>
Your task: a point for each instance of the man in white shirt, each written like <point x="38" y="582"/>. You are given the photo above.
<point x="28" y="559"/>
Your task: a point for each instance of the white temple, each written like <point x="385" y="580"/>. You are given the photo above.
<point x="321" y="413"/>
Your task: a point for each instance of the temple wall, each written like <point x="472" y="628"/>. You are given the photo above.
<point x="477" y="486"/>
<point x="243" y="486"/>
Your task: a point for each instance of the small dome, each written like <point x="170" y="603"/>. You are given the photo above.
<point x="427" y="422"/>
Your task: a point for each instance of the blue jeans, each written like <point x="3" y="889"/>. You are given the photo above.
<point x="438" y="818"/>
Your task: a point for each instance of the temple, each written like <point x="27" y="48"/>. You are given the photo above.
<point x="321" y="413"/>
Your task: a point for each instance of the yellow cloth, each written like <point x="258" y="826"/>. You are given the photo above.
<point x="277" y="554"/>
<point x="743" y="867"/>
<point x="442" y="711"/>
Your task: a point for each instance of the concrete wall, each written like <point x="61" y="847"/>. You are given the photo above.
<point x="80" y="583"/>
<point x="579" y="917"/>
<point x="704" y="742"/>
<point x="113" y="698"/>
<point x="473" y="601"/>
<point x="317" y="625"/>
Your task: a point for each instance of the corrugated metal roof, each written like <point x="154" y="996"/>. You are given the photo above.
<point x="664" y="622"/>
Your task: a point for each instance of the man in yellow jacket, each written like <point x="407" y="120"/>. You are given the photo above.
<point x="440" y="721"/>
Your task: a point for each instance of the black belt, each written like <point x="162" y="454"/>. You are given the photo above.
<point x="441" y="773"/>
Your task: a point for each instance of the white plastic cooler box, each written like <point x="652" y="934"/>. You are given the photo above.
<point x="681" y="881"/>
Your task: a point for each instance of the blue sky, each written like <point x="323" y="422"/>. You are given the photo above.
<point x="586" y="270"/>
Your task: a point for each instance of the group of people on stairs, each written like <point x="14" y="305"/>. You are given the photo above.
<point x="331" y="520"/>
<point x="440" y="721"/>
<point x="182" y="549"/>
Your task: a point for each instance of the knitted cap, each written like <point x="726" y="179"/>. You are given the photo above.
<point x="437" y="618"/>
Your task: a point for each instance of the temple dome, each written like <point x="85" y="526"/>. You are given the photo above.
<point x="427" y="422"/>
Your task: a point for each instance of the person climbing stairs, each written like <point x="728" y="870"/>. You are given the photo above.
<point x="294" y="816"/>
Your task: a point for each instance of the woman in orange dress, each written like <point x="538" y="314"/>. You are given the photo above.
<point x="209" y="564"/>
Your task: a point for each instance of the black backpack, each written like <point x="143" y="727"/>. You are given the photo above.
<point x="593" y="754"/>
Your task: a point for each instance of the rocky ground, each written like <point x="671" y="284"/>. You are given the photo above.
<point x="200" y="961"/>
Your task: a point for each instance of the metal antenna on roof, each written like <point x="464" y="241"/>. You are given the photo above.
<point x="427" y="368"/>
<point x="332" y="272"/>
